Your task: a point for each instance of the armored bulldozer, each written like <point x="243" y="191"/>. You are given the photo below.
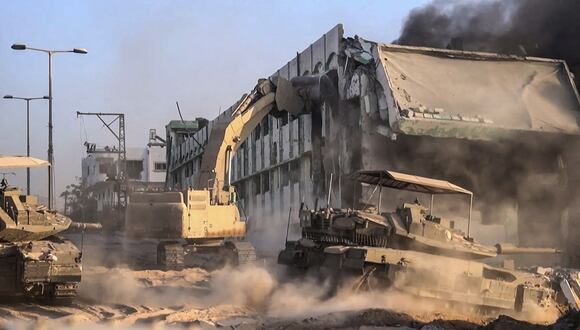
<point x="416" y="252"/>
<point x="34" y="261"/>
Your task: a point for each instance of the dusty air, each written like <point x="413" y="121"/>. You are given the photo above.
<point x="412" y="165"/>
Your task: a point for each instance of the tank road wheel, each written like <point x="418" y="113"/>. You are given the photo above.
<point x="170" y="255"/>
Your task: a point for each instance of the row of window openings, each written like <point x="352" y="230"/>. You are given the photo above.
<point x="243" y="158"/>
<point x="273" y="151"/>
<point x="263" y="126"/>
<point x="134" y="168"/>
<point x="273" y="179"/>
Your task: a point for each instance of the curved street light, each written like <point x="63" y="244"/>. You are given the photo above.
<point x="27" y="99"/>
<point x="50" y="52"/>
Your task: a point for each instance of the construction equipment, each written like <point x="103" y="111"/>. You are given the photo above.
<point x="206" y="216"/>
<point x="34" y="262"/>
<point x="422" y="254"/>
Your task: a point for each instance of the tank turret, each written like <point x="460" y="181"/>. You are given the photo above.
<point x="34" y="261"/>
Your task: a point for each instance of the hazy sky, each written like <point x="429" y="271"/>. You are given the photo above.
<point x="145" y="55"/>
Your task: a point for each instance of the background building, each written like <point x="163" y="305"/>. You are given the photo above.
<point x="145" y="167"/>
<point x="184" y="140"/>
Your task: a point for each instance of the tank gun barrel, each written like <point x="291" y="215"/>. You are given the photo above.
<point x="81" y="226"/>
<point x="512" y="249"/>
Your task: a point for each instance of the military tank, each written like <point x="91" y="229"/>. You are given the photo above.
<point x="416" y="252"/>
<point x="34" y="261"/>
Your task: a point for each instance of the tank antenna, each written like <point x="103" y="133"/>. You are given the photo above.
<point x="469" y="217"/>
<point x="288" y="224"/>
<point x="329" y="190"/>
<point x="431" y="205"/>
<point x="82" y="241"/>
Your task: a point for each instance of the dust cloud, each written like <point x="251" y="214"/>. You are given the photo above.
<point x="266" y="292"/>
<point x="262" y="290"/>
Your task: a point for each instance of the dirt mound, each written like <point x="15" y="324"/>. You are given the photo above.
<point x="368" y="319"/>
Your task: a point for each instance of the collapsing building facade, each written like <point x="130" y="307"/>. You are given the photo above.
<point x="503" y="126"/>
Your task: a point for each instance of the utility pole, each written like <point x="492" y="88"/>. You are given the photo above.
<point x="121" y="176"/>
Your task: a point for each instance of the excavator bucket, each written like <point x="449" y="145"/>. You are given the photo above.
<point x="287" y="97"/>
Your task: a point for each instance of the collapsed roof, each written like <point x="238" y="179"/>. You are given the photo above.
<point x="451" y="93"/>
<point x="447" y="93"/>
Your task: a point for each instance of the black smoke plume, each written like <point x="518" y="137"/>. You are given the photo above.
<point x="543" y="28"/>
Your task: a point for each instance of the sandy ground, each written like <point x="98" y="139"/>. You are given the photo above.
<point x="193" y="298"/>
<point x="121" y="290"/>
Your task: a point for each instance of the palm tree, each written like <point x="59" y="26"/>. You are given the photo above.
<point x="65" y="195"/>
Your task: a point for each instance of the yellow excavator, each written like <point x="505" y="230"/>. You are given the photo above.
<point x="205" y="216"/>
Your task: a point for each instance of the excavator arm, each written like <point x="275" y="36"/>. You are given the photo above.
<point x="227" y="136"/>
<point x="207" y="211"/>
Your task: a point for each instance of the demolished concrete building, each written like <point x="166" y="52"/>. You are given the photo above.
<point x="505" y="127"/>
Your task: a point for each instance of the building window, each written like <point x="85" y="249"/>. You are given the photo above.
<point x="274" y="153"/>
<point x="265" y="181"/>
<point x="295" y="171"/>
<point x="103" y="168"/>
<point x="284" y="174"/>
<point x="160" y="167"/>
<point x="257" y="132"/>
<point x="274" y="179"/>
<point x="134" y="169"/>
<point x="241" y="189"/>
<point x="266" y="125"/>
<point x="284" y="119"/>
<point x="256" y="184"/>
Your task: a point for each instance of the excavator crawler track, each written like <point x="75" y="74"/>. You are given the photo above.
<point x="170" y="255"/>
<point x="245" y="252"/>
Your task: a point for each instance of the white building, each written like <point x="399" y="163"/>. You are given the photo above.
<point x="145" y="170"/>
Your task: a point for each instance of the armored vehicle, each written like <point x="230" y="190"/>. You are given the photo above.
<point x="34" y="262"/>
<point x="422" y="254"/>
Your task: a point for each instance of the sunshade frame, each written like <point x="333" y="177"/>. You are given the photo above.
<point x="402" y="181"/>
<point x="409" y="182"/>
<point x="21" y="162"/>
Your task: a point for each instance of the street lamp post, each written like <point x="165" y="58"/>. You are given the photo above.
<point x="27" y="99"/>
<point x="50" y="148"/>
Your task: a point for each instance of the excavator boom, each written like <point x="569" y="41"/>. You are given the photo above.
<point x="205" y="216"/>
<point x="227" y="136"/>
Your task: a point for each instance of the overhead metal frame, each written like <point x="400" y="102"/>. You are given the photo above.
<point x="121" y="153"/>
